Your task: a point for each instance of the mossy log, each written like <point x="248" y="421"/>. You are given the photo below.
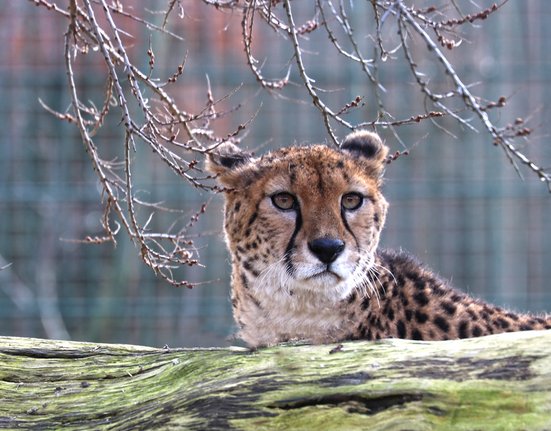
<point x="500" y="382"/>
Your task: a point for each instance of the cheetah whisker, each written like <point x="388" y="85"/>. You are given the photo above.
<point x="273" y="271"/>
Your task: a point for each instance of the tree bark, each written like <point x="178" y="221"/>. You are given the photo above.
<point x="500" y="382"/>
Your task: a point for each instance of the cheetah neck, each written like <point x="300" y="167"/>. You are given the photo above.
<point x="269" y="316"/>
<point x="411" y="302"/>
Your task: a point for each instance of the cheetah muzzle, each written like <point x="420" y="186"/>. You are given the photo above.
<point x="302" y="225"/>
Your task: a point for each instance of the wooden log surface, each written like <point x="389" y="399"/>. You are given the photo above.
<point x="500" y="382"/>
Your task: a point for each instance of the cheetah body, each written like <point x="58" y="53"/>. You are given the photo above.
<point x="302" y="225"/>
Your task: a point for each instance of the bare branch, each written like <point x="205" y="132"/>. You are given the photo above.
<point x="327" y="113"/>
<point x="393" y="33"/>
<point x="471" y="102"/>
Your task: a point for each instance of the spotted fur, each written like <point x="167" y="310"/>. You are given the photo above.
<point x="305" y="263"/>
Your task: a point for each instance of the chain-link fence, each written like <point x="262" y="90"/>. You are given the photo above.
<point x="456" y="203"/>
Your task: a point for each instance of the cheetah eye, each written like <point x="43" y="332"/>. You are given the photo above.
<point x="284" y="201"/>
<point x="352" y="201"/>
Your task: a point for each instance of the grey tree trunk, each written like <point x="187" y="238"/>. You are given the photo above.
<point x="500" y="382"/>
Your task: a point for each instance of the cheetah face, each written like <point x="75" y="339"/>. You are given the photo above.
<point x="304" y="220"/>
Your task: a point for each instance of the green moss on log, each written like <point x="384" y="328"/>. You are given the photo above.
<point x="501" y="382"/>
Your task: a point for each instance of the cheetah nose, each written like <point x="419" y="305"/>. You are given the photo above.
<point x="326" y="249"/>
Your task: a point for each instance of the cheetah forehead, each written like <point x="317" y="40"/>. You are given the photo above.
<point x="362" y="156"/>
<point x="299" y="167"/>
<point x="312" y="169"/>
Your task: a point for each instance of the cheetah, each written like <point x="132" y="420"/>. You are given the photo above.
<point x="302" y="225"/>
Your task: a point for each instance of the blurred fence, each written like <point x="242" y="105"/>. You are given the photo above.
<point x="455" y="203"/>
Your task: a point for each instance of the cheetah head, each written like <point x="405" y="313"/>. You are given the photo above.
<point x="304" y="220"/>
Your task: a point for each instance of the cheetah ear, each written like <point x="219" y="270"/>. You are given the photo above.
<point x="368" y="148"/>
<point x="224" y="162"/>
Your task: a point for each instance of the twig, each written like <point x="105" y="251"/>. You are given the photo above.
<point x="471" y="102"/>
<point x="327" y="113"/>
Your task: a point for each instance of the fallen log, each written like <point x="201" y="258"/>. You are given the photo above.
<point x="499" y="382"/>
